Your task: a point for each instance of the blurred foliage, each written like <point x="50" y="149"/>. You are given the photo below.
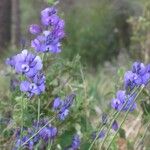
<point x="141" y="35"/>
<point x="90" y="32"/>
<point x="99" y="31"/>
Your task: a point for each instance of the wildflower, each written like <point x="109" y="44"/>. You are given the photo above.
<point x="115" y="125"/>
<point x="47" y="14"/>
<point x="139" y="75"/>
<point x="122" y="99"/>
<point x="62" y="107"/>
<point x="35" y="29"/>
<point x="63" y="114"/>
<point x="26" y="63"/>
<point x="20" y="140"/>
<point x="49" y="40"/>
<point x="138" y="68"/>
<point x="48" y="133"/>
<point x="131" y="80"/>
<point x="69" y="100"/>
<point x="36" y="86"/>
<point x="57" y="103"/>
<point x="101" y="134"/>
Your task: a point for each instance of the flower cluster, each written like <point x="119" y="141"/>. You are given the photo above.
<point x="30" y="66"/>
<point x="140" y="74"/>
<point x="61" y="107"/>
<point x="123" y="99"/>
<point x="137" y="76"/>
<point x="48" y="133"/>
<point x="48" y="40"/>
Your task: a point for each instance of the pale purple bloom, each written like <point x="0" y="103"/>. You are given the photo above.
<point x="46" y="15"/>
<point x="57" y="103"/>
<point x="49" y="40"/>
<point x="35" y="29"/>
<point x="115" y="126"/>
<point x="36" y="87"/>
<point x="145" y="78"/>
<point x="63" y="114"/>
<point x="75" y="142"/>
<point x="48" y="133"/>
<point x="19" y="141"/>
<point x="131" y="80"/>
<point x="122" y="99"/>
<point x="138" y="68"/>
<point x="62" y="106"/>
<point x="26" y="63"/>
<point x="69" y="100"/>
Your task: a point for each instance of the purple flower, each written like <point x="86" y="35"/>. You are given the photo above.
<point x="57" y="103"/>
<point x="62" y="106"/>
<point x="118" y="102"/>
<point x="138" y="68"/>
<point x="69" y="100"/>
<point x="35" y="29"/>
<point x="63" y="114"/>
<point x="48" y="133"/>
<point x="47" y="42"/>
<point x="47" y="14"/>
<point x="19" y="141"/>
<point x="75" y="142"/>
<point x="26" y="63"/>
<point x="10" y="61"/>
<point x="100" y="135"/>
<point x="115" y="126"/>
<point x="131" y="80"/>
<point x="64" y="110"/>
<point x="145" y="78"/>
<point x="36" y="87"/>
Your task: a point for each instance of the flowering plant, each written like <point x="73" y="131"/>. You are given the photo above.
<point x="47" y="93"/>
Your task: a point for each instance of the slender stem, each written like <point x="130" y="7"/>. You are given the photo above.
<point x="141" y="89"/>
<point x="38" y="131"/>
<point x="39" y="104"/>
<point x="22" y="116"/>
<point x="50" y="145"/>
<point x="100" y="129"/>
<point x="115" y="115"/>
<point x="141" y="140"/>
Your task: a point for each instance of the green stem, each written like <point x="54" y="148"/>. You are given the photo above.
<point x="39" y="105"/>
<point x="141" y="89"/>
<point x="49" y="145"/>
<point x="100" y="129"/>
<point x="142" y="138"/>
<point x="37" y="132"/>
<point x="115" y="116"/>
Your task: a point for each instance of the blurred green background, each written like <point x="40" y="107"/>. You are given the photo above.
<point x="97" y="30"/>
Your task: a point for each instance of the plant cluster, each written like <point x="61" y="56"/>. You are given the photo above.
<point x="50" y="95"/>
